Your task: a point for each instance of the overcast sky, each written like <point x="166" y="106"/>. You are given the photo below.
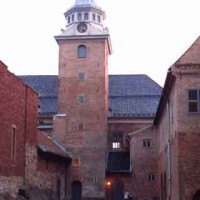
<point x="148" y="36"/>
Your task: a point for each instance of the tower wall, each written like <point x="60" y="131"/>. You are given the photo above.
<point x="84" y="100"/>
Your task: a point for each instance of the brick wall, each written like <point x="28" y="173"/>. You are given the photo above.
<point x="18" y="124"/>
<point x="144" y="164"/>
<point x="87" y="122"/>
<point x="188" y="132"/>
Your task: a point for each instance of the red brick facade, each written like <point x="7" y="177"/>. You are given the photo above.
<point x="176" y="135"/>
<point x="85" y="104"/>
<point x="18" y="108"/>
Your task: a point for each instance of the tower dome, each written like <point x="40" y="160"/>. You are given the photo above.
<point x="85" y="3"/>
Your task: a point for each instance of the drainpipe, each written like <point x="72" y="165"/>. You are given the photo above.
<point x="168" y="150"/>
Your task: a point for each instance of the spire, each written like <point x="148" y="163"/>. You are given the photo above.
<point x="85" y="3"/>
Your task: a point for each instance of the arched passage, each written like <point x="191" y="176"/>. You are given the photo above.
<point x="196" y="196"/>
<point x="76" y="189"/>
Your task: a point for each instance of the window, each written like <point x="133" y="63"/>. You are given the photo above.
<point x="116" y="145"/>
<point x="82" y="51"/>
<point x="13" y="143"/>
<point x="194" y="101"/>
<point x="77" y="126"/>
<point x="81" y="76"/>
<point x="117" y="140"/>
<point x="99" y="19"/>
<point x="151" y="177"/>
<point x="76" y="162"/>
<point x="93" y="17"/>
<point x="79" y="16"/>
<point x="72" y="17"/>
<point x="147" y="143"/>
<point x="80" y="126"/>
<point x="81" y="99"/>
<point x="68" y="20"/>
<point x="86" y="16"/>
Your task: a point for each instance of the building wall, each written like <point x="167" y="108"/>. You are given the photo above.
<point x="51" y="170"/>
<point x="188" y="133"/>
<point x="18" y="123"/>
<point x="178" y="139"/>
<point x="87" y="122"/>
<point x="167" y="140"/>
<point x="144" y="164"/>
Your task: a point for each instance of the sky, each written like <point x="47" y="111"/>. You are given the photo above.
<point x="147" y="36"/>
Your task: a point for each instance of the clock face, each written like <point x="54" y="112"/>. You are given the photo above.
<point x="82" y="27"/>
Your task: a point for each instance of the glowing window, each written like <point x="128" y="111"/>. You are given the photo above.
<point x="116" y="145"/>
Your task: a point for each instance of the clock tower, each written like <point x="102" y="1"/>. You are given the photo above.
<point x="84" y="47"/>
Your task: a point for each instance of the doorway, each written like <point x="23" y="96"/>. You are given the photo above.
<point x="76" y="189"/>
<point x="196" y="196"/>
<point x="118" y="190"/>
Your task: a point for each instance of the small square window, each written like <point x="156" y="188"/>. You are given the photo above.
<point x="192" y="94"/>
<point x="147" y="143"/>
<point x="81" y="76"/>
<point x="151" y="177"/>
<point x="81" y="99"/>
<point x="194" y="101"/>
<point x="193" y="107"/>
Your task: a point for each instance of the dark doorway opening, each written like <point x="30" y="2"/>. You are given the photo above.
<point x="196" y="196"/>
<point x="118" y="190"/>
<point x="76" y="190"/>
<point x="58" y="188"/>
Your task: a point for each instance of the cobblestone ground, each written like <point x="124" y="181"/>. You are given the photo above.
<point x="32" y="194"/>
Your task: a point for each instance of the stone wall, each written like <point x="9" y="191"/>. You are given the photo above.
<point x="10" y="185"/>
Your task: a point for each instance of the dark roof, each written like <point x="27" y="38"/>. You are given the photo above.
<point x="133" y="96"/>
<point x="129" y="95"/>
<point x="49" y="145"/>
<point x="118" y="162"/>
<point x="47" y="88"/>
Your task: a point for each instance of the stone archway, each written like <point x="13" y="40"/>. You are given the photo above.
<point x="76" y="190"/>
<point x="196" y="196"/>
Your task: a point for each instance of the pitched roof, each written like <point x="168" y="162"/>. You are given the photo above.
<point x="49" y="145"/>
<point x="118" y="162"/>
<point x="129" y="95"/>
<point x="191" y="56"/>
<point x="47" y="89"/>
<point x="133" y="96"/>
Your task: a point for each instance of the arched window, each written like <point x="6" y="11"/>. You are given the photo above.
<point x="79" y="16"/>
<point x="86" y="16"/>
<point x="93" y="17"/>
<point x="68" y="20"/>
<point x="99" y="19"/>
<point x="81" y="51"/>
<point x="72" y="17"/>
